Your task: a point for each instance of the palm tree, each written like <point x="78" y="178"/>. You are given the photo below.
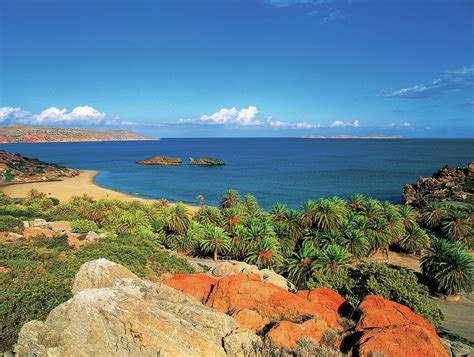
<point x="200" y="199"/>
<point x="230" y="199"/>
<point x="414" y="240"/>
<point x="178" y="219"/>
<point x="308" y="213"/>
<point x="371" y="209"/>
<point x="356" y="243"/>
<point x="230" y="218"/>
<point x="278" y="212"/>
<point x="434" y="214"/>
<point x="295" y="229"/>
<point x="327" y="215"/>
<point x="457" y="226"/>
<point x="299" y="264"/>
<point x="189" y="241"/>
<point x="208" y="215"/>
<point x="215" y="240"/>
<point x="265" y="254"/>
<point x="450" y="266"/>
<point x="356" y="201"/>
<point x="331" y="258"/>
<point x="408" y="215"/>
<point x="379" y="236"/>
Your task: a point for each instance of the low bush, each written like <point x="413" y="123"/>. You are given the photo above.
<point x="83" y="226"/>
<point x="10" y="224"/>
<point x="399" y="285"/>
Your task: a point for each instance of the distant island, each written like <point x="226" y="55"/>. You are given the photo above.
<point x="161" y="161"/>
<point x="18" y="133"/>
<point x="353" y="137"/>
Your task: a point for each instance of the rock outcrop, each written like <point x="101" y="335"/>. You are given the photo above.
<point x="394" y="330"/>
<point x="239" y="268"/>
<point x="161" y="161"/>
<point x="113" y="312"/>
<point x="447" y="184"/>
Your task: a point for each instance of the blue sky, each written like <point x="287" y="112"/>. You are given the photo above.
<point x="240" y="68"/>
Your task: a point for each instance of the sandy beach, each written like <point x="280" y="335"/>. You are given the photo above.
<point x="73" y="186"/>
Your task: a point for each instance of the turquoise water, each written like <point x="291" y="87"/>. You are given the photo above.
<point x="287" y="170"/>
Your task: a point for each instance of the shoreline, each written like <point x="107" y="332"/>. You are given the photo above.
<point x="69" y="187"/>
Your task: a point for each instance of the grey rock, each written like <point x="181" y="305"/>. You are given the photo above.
<point x="92" y="236"/>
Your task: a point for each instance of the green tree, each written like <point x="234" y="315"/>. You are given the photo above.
<point x="265" y="254"/>
<point x="450" y="265"/>
<point x="215" y="240"/>
<point x="457" y="226"/>
<point x="434" y="215"/>
<point x="356" y="243"/>
<point x="414" y="240"/>
<point x="331" y="258"/>
<point x="327" y="215"/>
<point x="298" y="266"/>
<point x="230" y="199"/>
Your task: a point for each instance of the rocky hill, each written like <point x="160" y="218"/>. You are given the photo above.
<point x="455" y="184"/>
<point x="236" y="313"/>
<point x="38" y="134"/>
<point x="15" y="168"/>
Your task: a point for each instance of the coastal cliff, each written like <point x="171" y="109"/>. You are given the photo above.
<point x="15" y="168"/>
<point x="37" y="134"/>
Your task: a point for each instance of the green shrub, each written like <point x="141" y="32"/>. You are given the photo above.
<point x="10" y="224"/>
<point x="39" y="279"/>
<point x="399" y="285"/>
<point x="142" y="256"/>
<point x="83" y="226"/>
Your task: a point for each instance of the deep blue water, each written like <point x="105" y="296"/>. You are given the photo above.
<point x="287" y="170"/>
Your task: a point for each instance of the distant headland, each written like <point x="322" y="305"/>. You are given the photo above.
<point x="39" y="134"/>
<point x="353" y="137"/>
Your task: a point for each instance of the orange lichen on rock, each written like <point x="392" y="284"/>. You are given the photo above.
<point x="197" y="285"/>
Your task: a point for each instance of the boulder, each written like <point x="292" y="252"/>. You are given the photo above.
<point x="13" y="236"/>
<point x="393" y="329"/>
<point x="285" y="334"/>
<point x="242" y="343"/>
<point x="99" y="273"/>
<point x="324" y="296"/>
<point x="266" y="275"/>
<point x="130" y="317"/>
<point x="405" y="340"/>
<point x="39" y="223"/>
<point x="377" y="312"/>
<point x="238" y="292"/>
<point x="250" y="319"/>
<point x="197" y="285"/>
<point x="92" y="236"/>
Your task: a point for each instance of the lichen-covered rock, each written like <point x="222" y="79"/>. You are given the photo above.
<point x="250" y="319"/>
<point x="394" y="330"/>
<point x="99" y="273"/>
<point x="266" y="275"/>
<point x="324" y="296"/>
<point x="92" y="236"/>
<point x="238" y="292"/>
<point x="242" y="343"/>
<point x="403" y="341"/>
<point x="197" y="285"/>
<point x="285" y="334"/>
<point x="130" y="317"/>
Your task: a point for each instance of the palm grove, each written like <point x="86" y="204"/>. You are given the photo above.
<point x="327" y="242"/>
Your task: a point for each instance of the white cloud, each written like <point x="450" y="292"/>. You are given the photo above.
<point x="450" y="81"/>
<point x="404" y="125"/>
<point x="11" y="113"/>
<point x="278" y="124"/>
<point x="305" y="125"/>
<point x="80" y="115"/>
<point x="242" y="117"/>
<point x="343" y="124"/>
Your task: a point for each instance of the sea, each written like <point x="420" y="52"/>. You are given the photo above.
<point x="274" y="170"/>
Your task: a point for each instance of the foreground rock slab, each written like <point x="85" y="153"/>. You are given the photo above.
<point x="130" y="317"/>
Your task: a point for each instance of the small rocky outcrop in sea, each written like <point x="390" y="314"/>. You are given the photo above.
<point x="206" y="161"/>
<point x="447" y="184"/>
<point x="162" y="161"/>
<point x="202" y="315"/>
<point x="15" y="168"/>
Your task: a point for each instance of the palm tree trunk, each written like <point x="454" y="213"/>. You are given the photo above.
<point x="215" y="254"/>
